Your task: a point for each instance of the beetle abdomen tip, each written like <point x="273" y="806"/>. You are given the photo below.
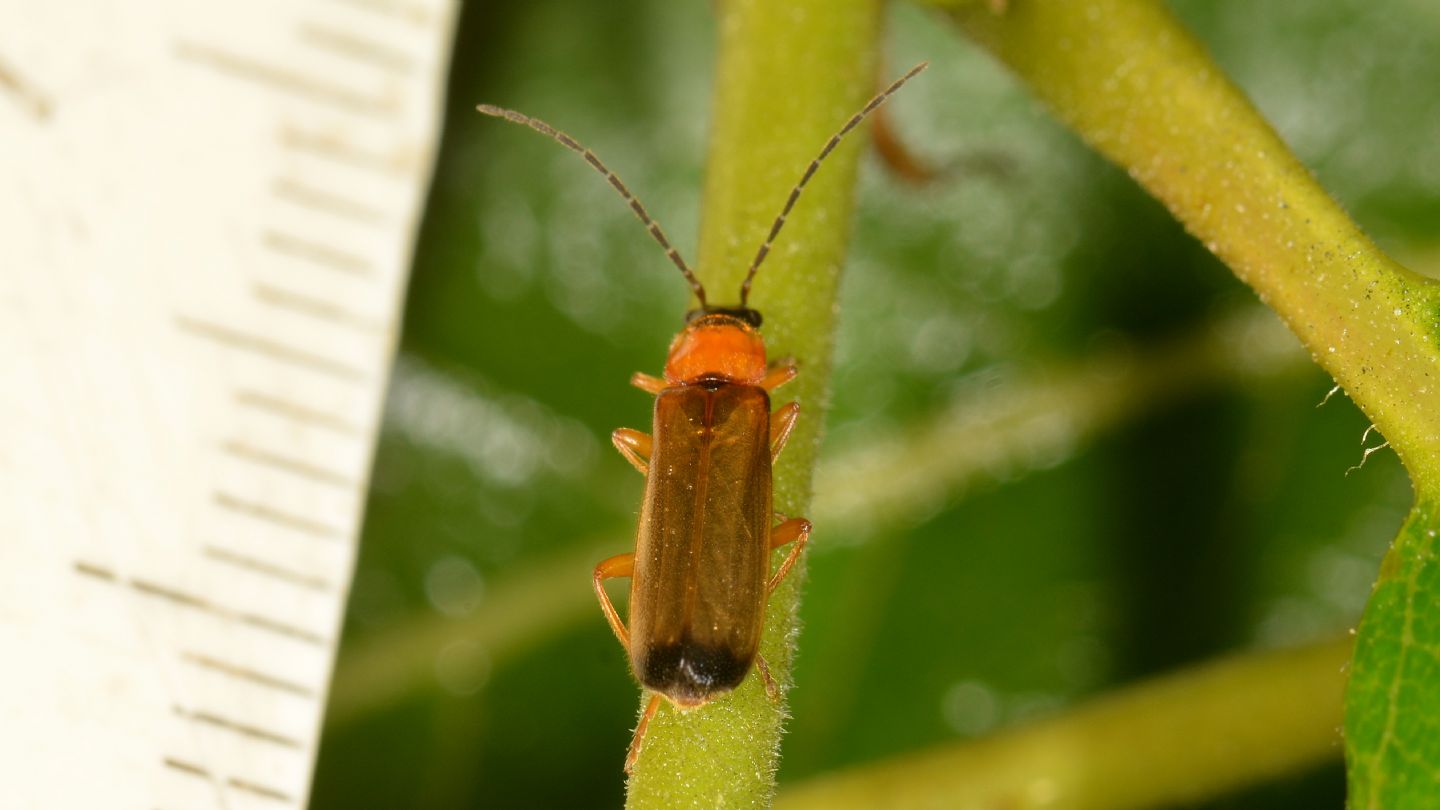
<point x="690" y="674"/>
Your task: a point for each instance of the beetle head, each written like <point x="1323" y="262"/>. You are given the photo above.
<point x="720" y="344"/>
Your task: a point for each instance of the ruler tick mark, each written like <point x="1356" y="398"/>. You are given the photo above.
<point x="414" y="13"/>
<point x="267" y="347"/>
<point x="186" y="767"/>
<point x="282" y="628"/>
<point x="25" y="93"/>
<point x="295" y="466"/>
<point x="328" y="202"/>
<point x="331" y="258"/>
<point x="269" y="514"/>
<point x="191" y="601"/>
<point x="250" y="675"/>
<point x="243" y="729"/>
<point x="259" y="790"/>
<point x="178" y="597"/>
<point x="286" y="80"/>
<point x="358" y="47"/>
<point x="93" y="570"/>
<point x="252" y="564"/>
<point x="191" y="769"/>
<point x="335" y="148"/>
<point x="297" y="412"/>
<point x="314" y="307"/>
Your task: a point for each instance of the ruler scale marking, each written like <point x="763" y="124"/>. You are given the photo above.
<point x="212" y="210"/>
<point x="263" y="512"/>
<point x="268" y="569"/>
<point x="326" y="311"/>
<point x="180" y="598"/>
<point x="304" y="414"/>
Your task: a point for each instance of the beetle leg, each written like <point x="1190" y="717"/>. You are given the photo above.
<point x="796" y="530"/>
<point x="771" y="690"/>
<point x="781" y="373"/>
<point x="621" y="565"/>
<point x="647" y="383"/>
<point x="639" y="737"/>
<point x="634" y="446"/>
<point x="781" y="423"/>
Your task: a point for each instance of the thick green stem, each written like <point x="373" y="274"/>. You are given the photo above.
<point x="1131" y="81"/>
<point x="788" y="75"/>
<point x="1175" y="740"/>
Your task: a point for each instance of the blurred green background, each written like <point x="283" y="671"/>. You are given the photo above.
<point x="476" y="670"/>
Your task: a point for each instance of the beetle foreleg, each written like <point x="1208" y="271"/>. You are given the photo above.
<point x="782" y="373"/>
<point x="621" y="565"/>
<point x="796" y="530"/>
<point x="639" y="737"/>
<point x="781" y="423"/>
<point x="648" y="384"/>
<point x="634" y="446"/>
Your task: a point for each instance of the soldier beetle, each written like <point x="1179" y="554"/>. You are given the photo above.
<point x="698" y="575"/>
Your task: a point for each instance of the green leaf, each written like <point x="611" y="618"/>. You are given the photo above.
<point x="1392" y="715"/>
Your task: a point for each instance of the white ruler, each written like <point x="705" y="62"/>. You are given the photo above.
<point x="206" y="216"/>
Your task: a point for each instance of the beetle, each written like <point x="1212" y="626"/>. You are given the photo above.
<point x="699" y="575"/>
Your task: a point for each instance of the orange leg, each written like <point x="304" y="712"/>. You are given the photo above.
<point x="782" y="373"/>
<point x="621" y="565"/>
<point x="647" y="383"/>
<point x="634" y="446"/>
<point x="796" y="530"/>
<point x="781" y="423"/>
<point x="640" y="730"/>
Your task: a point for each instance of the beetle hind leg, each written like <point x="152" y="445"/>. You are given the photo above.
<point x="772" y="691"/>
<point x="795" y="530"/>
<point x="621" y="565"/>
<point x="638" y="740"/>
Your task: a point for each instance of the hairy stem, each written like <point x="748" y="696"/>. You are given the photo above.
<point x="1130" y="80"/>
<point x="789" y="74"/>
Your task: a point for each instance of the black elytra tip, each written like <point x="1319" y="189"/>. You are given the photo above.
<point x="691" y="674"/>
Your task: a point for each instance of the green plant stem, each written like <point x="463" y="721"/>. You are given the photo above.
<point x="1128" y="78"/>
<point x="1178" y="739"/>
<point x="788" y="75"/>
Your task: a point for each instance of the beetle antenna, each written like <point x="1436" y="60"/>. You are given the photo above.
<point x="810" y="172"/>
<point x="575" y="146"/>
